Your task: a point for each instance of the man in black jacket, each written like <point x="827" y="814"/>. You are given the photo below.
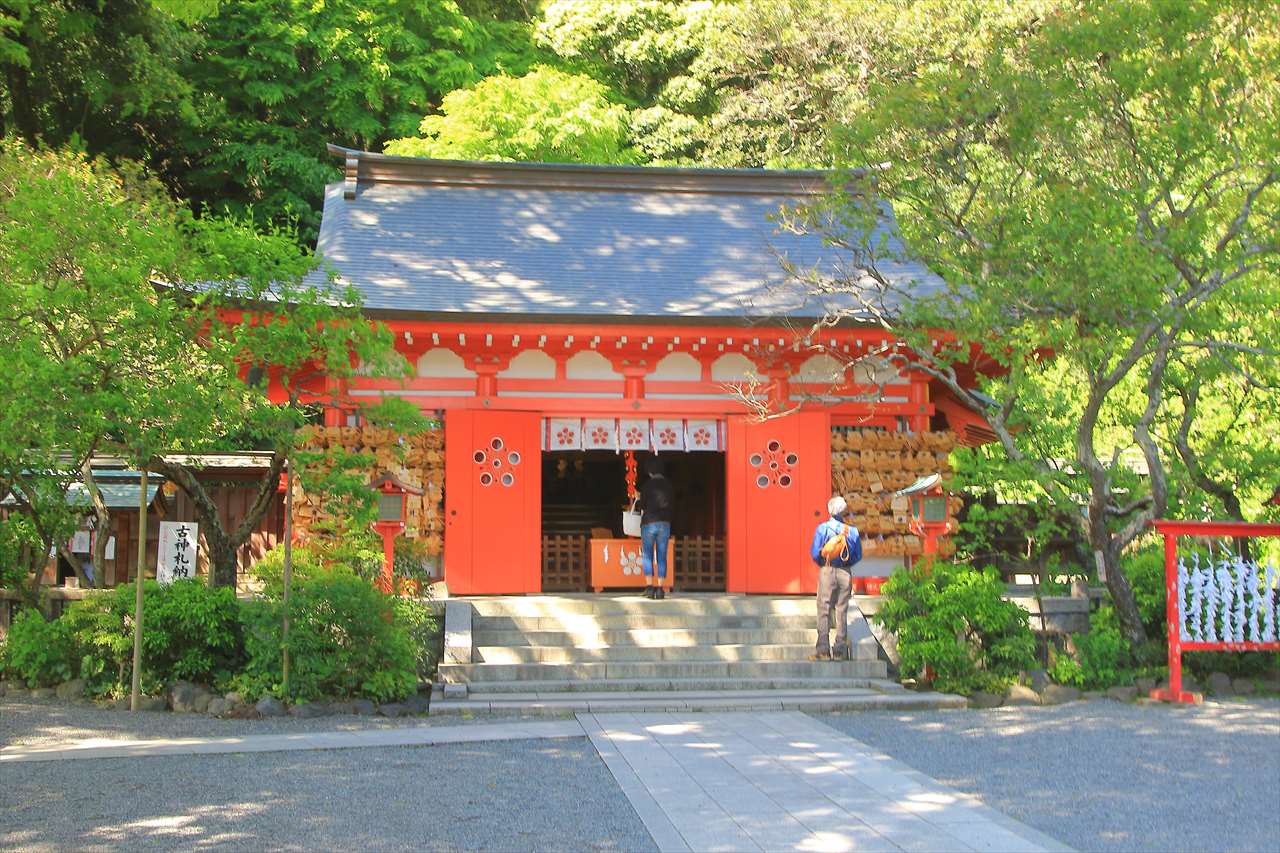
<point x="657" y="497"/>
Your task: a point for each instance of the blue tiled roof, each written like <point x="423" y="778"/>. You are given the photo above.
<point x="513" y="240"/>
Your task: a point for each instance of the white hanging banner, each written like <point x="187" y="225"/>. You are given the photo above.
<point x="600" y="434"/>
<point x="668" y="435"/>
<point x="633" y="433"/>
<point x="702" y="435"/>
<point x="176" y="557"/>
<point x="564" y="434"/>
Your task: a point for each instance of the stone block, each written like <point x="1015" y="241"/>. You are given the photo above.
<point x="1243" y="686"/>
<point x="71" y="690"/>
<point x="1144" y="685"/>
<point x="417" y="704"/>
<point x="309" y="710"/>
<point x="1122" y="694"/>
<point x="42" y="693"/>
<point x="217" y="706"/>
<point x="182" y="697"/>
<point x="234" y="698"/>
<point x="1219" y="683"/>
<point x="363" y="707"/>
<point x="982" y="699"/>
<point x="1057" y="694"/>
<point x="1093" y="694"/>
<point x="201" y="704"/>
<point x="1038" y="680"/>
<point x="1019" y="694"/>
<point x="455" y="691"/>
<point x="152" y="703"/>
<point x="269" y="706"/>
<point x="391" y="709"/>
<point x="457" y="632"/>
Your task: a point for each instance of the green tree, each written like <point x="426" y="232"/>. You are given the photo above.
<point x="130" y="326"/>
<point x="275" y="80"/>
<point x="1097" y="182"/>
<point x="545" y="115"/>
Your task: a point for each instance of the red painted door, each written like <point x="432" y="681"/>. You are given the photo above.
<point x="493" y="502"/>
<point x="778" y="480"/>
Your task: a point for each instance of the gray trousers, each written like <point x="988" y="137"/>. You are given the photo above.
<point x="834" y="586"/>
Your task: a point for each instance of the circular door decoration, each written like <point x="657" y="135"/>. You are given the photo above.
<point x="773" y="466"/>
<point x="494" y="465"/>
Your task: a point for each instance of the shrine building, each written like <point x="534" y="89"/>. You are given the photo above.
<point x="563" y="318"/>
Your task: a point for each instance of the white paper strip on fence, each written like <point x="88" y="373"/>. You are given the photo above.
<point x="600" y="434"/>
<point x="633" y="433"/>
<point x="564" y="434"/>
<point x="176" y="557"/>
<point x="1227" y="601"/>
<point x="702" y="435"/>
<point x="668" y="434"/>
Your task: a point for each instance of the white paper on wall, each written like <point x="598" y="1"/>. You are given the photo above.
<point x="81" y="542"/>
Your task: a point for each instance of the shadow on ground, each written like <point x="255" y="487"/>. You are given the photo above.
<point x="1104" y="775"/>
<point x="519" y="795"/>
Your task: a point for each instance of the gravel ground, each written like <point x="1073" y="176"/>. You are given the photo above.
<point x="33" y="722"/>
<point x="514" y="795"/>
<point x="1104" y="775"/>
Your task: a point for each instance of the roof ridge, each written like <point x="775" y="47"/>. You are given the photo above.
<point x="371" y="167"/>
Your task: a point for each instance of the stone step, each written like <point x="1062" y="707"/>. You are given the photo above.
<point x="613" y="685"/>
<point x="590" y="622"/>
<point x="691" y="654"/>
<point x="637" y="605"/>
<point x="475" y="672"/>
<point x="809" y="700"/>
<point x="644" y="637"/>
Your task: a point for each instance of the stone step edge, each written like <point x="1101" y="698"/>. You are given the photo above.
<point x="906" y="701"/>
<point x="684" y="685"/>
<point x="800" y="650"/>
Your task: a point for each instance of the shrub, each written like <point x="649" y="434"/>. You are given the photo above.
<point x="38" y="652"/>
<point x="190" y="631"/>
<point x="423" y="628"/>
<point x="954" y="620"/>
<point x="358" y="553"/>
<point x="344" y="641"/>
<point x="1145" y="571"/>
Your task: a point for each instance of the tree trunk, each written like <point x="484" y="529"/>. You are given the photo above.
<point x="101" y="523"/>
<point x="24" y="115"/>
<point x="223" y="545"/>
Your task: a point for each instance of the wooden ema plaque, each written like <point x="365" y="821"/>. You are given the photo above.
<point x="616" y="563"/>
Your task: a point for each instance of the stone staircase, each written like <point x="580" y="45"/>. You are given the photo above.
<point x="557" y="654"/>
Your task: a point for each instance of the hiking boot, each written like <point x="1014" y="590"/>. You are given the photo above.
<point x="658" y="594"/>
<point x="648" y="592"/>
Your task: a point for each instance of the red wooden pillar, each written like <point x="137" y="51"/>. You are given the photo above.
<point x="919" y="399"/>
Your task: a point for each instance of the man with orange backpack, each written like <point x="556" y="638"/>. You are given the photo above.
<point x="837" y="547"/>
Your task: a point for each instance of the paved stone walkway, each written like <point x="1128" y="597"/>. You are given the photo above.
<point x="768" y="780"/>
<point x="784" y="781"/>
<point x="406" y="736"/>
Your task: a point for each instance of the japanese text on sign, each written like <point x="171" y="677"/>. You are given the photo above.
<point x="179" y="541"/>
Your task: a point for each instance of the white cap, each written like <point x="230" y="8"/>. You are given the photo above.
<point x="837" y="506"/>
